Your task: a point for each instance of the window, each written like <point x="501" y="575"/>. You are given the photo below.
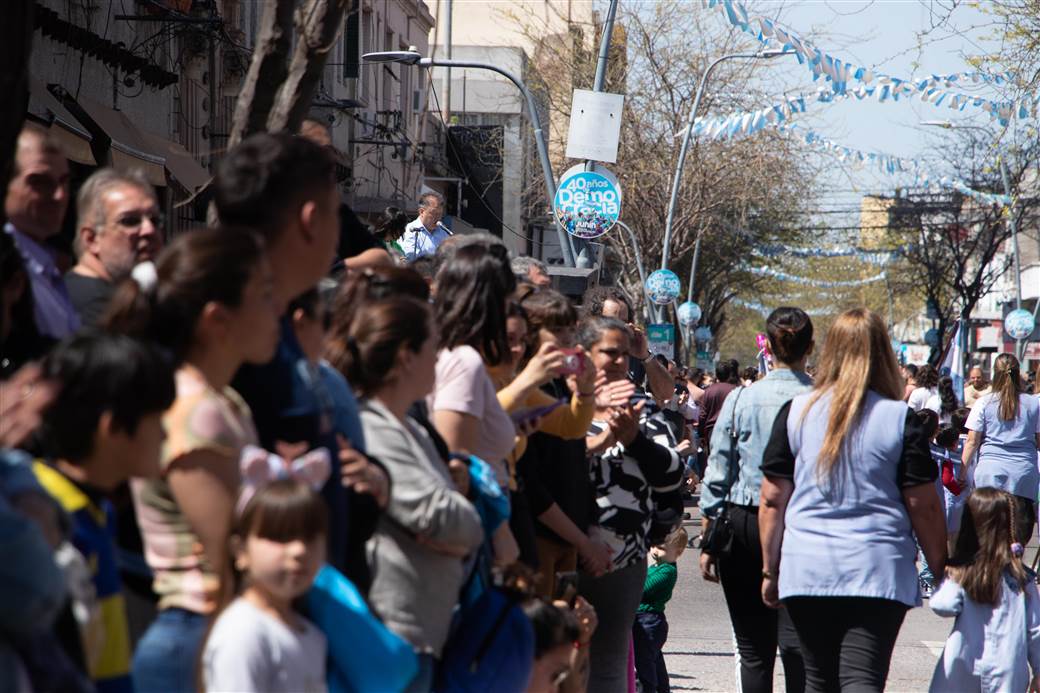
<point x="366" y="72"/>
<point x="388" y="73"/>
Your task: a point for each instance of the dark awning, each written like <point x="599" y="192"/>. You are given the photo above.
<point x="128" y="147"/>
<point x="180" y="164"/>
<point x="71" y="135"/>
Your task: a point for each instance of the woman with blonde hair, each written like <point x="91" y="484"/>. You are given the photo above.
<point x="1004" y="428"/>
<point x="848" y="481"/>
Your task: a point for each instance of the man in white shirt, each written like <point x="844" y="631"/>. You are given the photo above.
<point x="422" y="236"/>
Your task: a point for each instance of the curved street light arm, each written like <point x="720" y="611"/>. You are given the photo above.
<point x="539" y="138"/>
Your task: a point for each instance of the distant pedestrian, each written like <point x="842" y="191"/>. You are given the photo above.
<point x="909" y="373"/>
<point x="727" y="378"/>
<point x="528" y="269"/>
<point x="1004" y="427"/>
<point x="976" y="387"/>
<point x="927" y="387"/>
<point x="996" y="635"/>
<point x="650" y="631"/>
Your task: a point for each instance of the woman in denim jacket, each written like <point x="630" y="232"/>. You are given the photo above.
<point x="734" y="478"/>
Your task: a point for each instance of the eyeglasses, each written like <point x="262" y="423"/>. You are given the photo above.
<point x="134" y="220"/>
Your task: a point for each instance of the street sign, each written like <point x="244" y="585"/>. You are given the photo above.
<point x="587" y="203"/>
<point x="661" y="339"/>
<point x="595" y="127"/>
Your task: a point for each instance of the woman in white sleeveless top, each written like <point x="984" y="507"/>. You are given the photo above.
<point x="847" y="481"/>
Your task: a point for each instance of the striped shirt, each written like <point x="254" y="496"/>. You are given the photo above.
<point x="200" y="419"/>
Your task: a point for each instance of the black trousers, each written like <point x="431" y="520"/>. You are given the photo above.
<point x="847" y="642"/>
<point x="758" y="629"/>
<point x="649" y="634"/>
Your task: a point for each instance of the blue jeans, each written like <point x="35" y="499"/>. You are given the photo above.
<point x="167" y="656"/>
<point x="649" y="634"/>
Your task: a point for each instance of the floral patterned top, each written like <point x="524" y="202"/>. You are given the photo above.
<point x="201" y="418"/>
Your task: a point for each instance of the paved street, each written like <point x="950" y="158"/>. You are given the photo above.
<point x="700" y="646"/>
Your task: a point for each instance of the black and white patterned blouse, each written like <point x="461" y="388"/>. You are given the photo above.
<point x="624" y="479"/>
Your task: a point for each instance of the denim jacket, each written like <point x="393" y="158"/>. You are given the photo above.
<point x="757" y="406"/>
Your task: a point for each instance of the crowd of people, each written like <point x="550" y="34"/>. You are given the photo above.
<point x="228" y="467"/>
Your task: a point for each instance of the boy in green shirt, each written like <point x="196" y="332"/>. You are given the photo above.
<point x="650" y="630"/>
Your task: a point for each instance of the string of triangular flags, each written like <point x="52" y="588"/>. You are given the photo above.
<point x="765" y="310"/>
<point x="936" y="89"/>
<point x="893" y="165"/>
<point x="874" y="257"/>
<point x="818" y="283"/>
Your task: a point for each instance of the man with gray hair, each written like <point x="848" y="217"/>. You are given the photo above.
<point x="118" y="225"/>
<point x="423" y="235"/>
<point x="528" y="269"/>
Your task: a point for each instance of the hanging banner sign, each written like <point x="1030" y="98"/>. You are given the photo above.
<point x="587" y="203"/>
<point x="661" y="339"/>
<point x="1019" y="324"/>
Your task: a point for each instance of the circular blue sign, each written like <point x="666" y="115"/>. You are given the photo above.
<point x="689" y="313"/>
<point x="702" y="334"/>
<point x="931" y="337"/>
<point x="663" y="287"/>
<point x="587" y="203"/>
<point x="1019" y="324"/>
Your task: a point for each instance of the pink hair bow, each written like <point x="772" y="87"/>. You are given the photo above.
<point x="260" y="467"/>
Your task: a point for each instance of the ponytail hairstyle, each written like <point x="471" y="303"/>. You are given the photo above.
<point x="947" y="396"/>
<point x="199" y="267"/>
<point x="984" y="546"/>
<point x="790" y="332"/>
<point x="1007" y="385"/>
<point x="365" y="349"/>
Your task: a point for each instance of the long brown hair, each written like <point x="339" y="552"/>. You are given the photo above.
<point x="857" y="357"/>
<point x="983" y="549"/>
<point x="1007" y="384"/>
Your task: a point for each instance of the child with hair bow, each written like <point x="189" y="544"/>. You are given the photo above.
<point x="259" y="642"/>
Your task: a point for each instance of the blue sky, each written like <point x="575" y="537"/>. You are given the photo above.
<point x="888" y="37"/>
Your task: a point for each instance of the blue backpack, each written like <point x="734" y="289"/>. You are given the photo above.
<point x="491" y="647"/>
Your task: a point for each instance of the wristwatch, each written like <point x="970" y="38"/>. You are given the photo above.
<point x="768" y="575"/>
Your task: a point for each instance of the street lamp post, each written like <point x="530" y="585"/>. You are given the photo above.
<point x="1012" y="222"/>
<point x="413" y="58"/>
<point x="677" y="178"/>
<point x="639" y="265"/>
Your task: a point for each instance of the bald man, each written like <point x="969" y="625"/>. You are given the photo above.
<point x="976" y="386"/>
<point x="35" y="204"/>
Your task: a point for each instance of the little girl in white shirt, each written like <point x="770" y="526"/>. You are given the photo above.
<point x="259" y="642"/>
<point x="996" y="636"/>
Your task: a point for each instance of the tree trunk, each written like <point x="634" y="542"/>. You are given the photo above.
<point x="15" y="46"/>
<point x="267" y="71"/>
<point x="318" y="23"/>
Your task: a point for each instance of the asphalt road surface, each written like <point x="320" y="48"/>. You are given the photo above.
<point x="699" y="651"/>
